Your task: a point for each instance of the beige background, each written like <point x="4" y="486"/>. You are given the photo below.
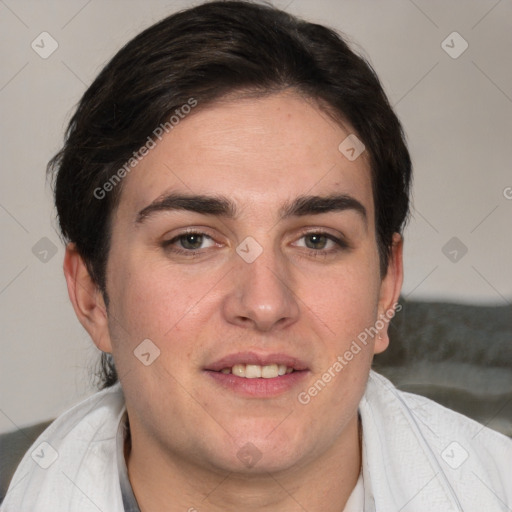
<point x="456" y="112"/>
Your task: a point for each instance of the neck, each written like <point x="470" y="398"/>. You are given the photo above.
<point x="324" y="483"/>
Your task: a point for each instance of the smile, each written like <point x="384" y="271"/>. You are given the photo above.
<point x="255" y="371"/>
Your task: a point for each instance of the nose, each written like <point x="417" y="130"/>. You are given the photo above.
<point x="261" y="295"/>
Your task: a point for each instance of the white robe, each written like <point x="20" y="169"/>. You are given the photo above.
<point x="417" y="457"/>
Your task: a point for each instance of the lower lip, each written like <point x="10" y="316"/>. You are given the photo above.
<point x="260" y="388"/>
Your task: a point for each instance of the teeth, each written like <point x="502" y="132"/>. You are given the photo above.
<point x="255" y="371"/>
<point x="252" y="371"/>
<point x="238" y="370"/>
<point x="270" y="372"/>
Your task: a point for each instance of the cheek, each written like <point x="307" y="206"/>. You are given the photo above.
<point x="150" y="304"/>
<point x="147" y="298"/>
<point x="152" y="301"/>
<point x="346" y="304"/>
<point x="344" y="298"/>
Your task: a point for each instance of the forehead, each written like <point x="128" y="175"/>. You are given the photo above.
<point x="258" y="152"/>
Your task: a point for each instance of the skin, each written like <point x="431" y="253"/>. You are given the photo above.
<point x="306" y="302"/>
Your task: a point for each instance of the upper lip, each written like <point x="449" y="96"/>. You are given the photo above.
<point x="256" y="359"/>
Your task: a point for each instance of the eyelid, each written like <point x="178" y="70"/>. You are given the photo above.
<point x="177" y="233"/>
<point x="338" y="238"/>
<point x="169" y="243"/>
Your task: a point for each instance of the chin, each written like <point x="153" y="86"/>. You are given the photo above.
<point x="263" y="450"/>
<point x="251" y="461"/>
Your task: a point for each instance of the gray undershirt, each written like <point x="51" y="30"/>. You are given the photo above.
<point x="129" y="502"/>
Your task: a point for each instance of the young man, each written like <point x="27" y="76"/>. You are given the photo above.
<point x="233" y="189"/>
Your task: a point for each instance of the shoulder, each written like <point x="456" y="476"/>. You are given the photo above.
<point x="468" y="459"/>
<point x="423" y="411"/>
<point x="77" y="445"/>
<point x="433" y="420"/>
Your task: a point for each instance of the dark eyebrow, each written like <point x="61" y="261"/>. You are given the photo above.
<point x="315" y="205"/>
<point x="224" y="207"/>
<point x="205" y="205"/>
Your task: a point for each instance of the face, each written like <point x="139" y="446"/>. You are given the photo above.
<point x="244" y="248"/>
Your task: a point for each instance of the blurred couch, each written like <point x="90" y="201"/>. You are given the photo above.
<point x="458" y="355"/>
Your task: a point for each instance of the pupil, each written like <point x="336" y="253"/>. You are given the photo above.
<point x="316" y="241"/>
<point x="192" y="241"/>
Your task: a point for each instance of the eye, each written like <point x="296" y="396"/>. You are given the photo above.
<point x="194" y="241"/>
<point x="318" y="242"/>
<point x="189" y="242"/>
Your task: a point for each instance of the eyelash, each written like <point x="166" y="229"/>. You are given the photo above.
<point x="168" y="244"/>
<point x="340" y="244"/>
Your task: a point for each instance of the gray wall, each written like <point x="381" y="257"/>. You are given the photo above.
<point x="457" y="114"/>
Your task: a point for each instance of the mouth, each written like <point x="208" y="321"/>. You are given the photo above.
<point x="257" y="375"/>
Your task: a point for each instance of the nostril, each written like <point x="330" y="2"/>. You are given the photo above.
<point x="245" y="320"/>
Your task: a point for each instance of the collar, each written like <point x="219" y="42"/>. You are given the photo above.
<point x="396" y="459"/>
<point x="400" y="468"/>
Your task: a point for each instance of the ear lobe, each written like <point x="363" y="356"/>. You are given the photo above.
<point x="390" y="288"/>
<point x="86" y="298"/>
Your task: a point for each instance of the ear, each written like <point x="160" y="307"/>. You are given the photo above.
<point x="390" y="288"/>
<point x="87" y="299"/>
